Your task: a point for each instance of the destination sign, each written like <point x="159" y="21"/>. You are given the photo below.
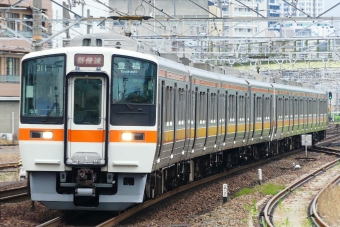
<point x="89" y="60"/>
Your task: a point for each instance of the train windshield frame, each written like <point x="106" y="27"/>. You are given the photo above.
<point x="133" y="81"/>
<point x="42" y="89"/>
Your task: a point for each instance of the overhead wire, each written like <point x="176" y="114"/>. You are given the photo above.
<point x="72" y="29"/>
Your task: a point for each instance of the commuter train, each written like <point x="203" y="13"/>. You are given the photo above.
<point x="105" y="128"/>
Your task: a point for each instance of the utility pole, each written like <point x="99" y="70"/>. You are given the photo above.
<point x="37" y="25"/>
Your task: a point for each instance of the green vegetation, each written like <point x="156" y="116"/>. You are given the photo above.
<point x="252" y="209"/>
<point x="288" y="66"/>
<point x="244" y="191"/>
<point x="287" y="222"/>
<point x="272" y="189"/>
<point x="3" y="177"/>
<point x="266" y="189"/>
<point x="307" y="223"/>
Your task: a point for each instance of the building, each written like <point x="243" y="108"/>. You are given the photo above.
<point x="304" y="8"/>
<point x="16" y="32"/>
<point x="274" y="9"/>
<point x="247" y="8"/>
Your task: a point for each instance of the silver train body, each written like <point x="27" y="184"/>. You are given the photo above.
<point x="103" y="128"/>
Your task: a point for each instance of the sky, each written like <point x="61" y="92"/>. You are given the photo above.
<point x="329" y="4"/>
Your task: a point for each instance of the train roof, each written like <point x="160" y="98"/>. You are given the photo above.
<point x="296" y="88"/>
<point x="171" y="65"/>
<point x="174" y="66"/>
<point x="258" y="83"/>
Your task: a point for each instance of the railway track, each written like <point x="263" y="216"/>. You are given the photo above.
<point x="14" y="195"/>
<point x="313" y="208"/>
<point x="113" y="221"/>
<point x="9" y="165"/>
<point x="288" y="206"/>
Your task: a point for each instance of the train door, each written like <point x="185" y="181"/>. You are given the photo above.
<point x="220" y="120"/>
<point x="86" y="125"/>
<point x="167" y="120"/>
<point x="200" y="133"/>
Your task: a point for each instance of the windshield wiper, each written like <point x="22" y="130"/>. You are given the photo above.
<point x="50" y="111"/>
<point x="129" y="106"/>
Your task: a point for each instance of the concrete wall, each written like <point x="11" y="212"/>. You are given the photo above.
<point x="6" y="109"/>
<point x="9" y="90"/>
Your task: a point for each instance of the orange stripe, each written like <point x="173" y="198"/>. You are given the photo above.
<point x="149" y="136"/>
<point x="25" y="134"/>
<point x="96" y="136"/>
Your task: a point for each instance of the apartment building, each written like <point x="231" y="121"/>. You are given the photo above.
<point x="15" y="33"/>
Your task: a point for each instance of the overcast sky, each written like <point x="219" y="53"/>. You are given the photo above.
<point x="329" y="4"/>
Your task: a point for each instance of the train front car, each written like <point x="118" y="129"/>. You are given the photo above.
<point x="88" y="126"/>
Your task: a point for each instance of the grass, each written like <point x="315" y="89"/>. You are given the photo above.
<point x="266" y="189"/>
<point x="252" y="209"/>
<point x="8" y="176"/>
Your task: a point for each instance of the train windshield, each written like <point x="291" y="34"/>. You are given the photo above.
<point x="134" y="81"/>
<point x="42" y="87"/>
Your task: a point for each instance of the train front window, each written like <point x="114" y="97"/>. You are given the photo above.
<point x="42" y="89"/>
<point x="134" y="81"/>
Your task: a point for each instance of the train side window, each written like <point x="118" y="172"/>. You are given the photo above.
<point x="296" y="109"/>
<point x="169" y="106"/>
<point x="241" y="108"/>
<point x="267" y="113"/>
<point x="213" y="108"/>
<point x="291" y="107"/>
<point x="286" y="108"/>
<point x="226" y="99"/>
<point x="254" y="114"/>
<point x="258" y="108"/>
<point x="232" y="108"/>
<point x="201" y="108"/>
<point x="181" y="97"/>
<point x="194" y="110"/>
<point x="279" y="108"/>
<point x="221" y="108"/>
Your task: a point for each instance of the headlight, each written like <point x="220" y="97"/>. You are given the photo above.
<point x="127" y="136"/>
<point x="39" y="135"/>
<point x="47" y="135"/>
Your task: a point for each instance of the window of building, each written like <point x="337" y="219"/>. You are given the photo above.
<point x="27" y="25"/>
<point x="11" y="23"/>
<point x="12" y="66"/>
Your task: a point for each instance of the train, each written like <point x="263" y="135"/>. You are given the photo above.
<point x="104" y="126"/>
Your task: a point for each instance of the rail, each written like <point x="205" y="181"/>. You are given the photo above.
<point x="268" y="209"/>
<point x="313" y="210"/>
<point x="14" y="195"/>
<point x="9" y="165"/>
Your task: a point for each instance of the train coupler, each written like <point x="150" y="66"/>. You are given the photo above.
<point x="85" y="192"/>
